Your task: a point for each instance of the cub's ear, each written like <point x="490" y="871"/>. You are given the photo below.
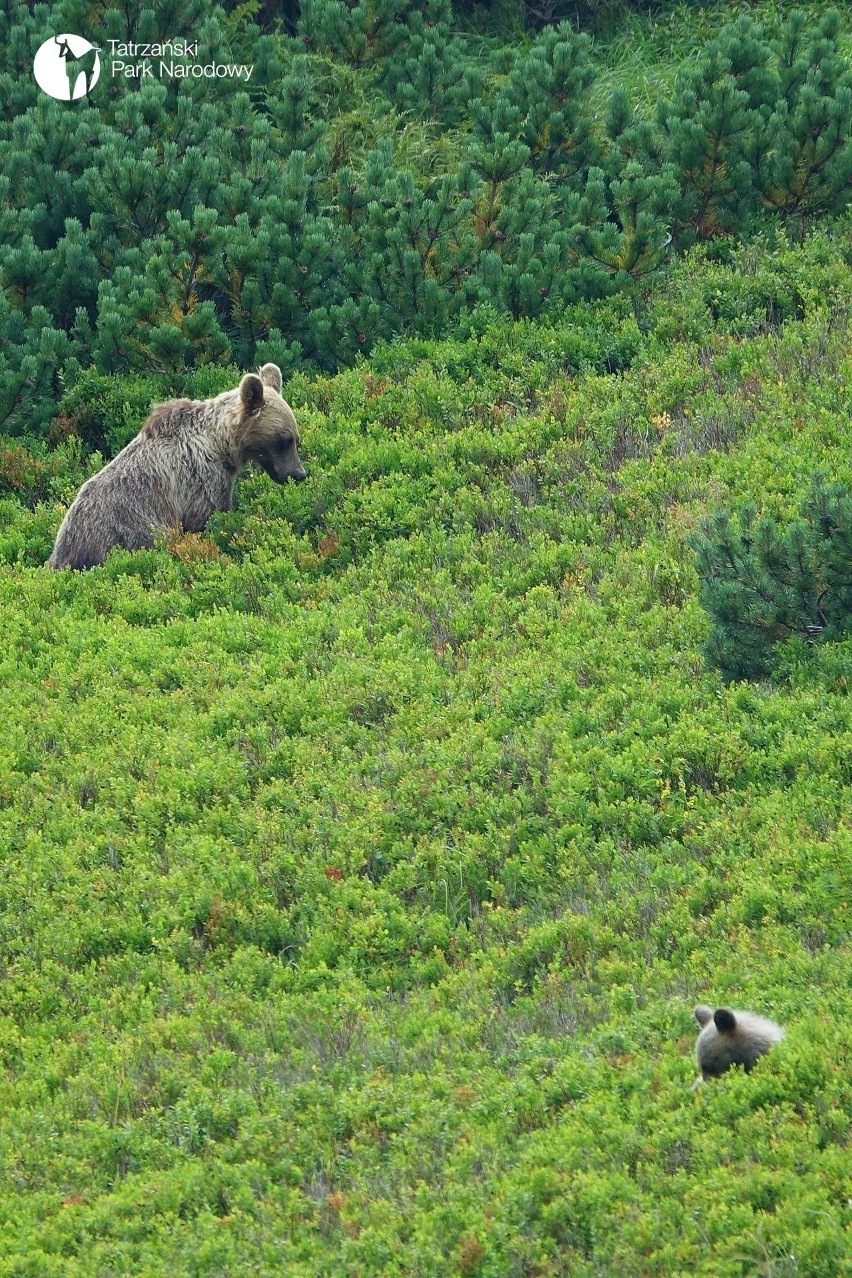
<point x="270" y="375"/>
<point x="725" y="1020"/>
<point x="251" y="394"/>
<point x="703" y="1014"/>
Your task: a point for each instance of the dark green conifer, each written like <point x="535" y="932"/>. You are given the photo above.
<point x="35" y="358"/>
<point x="622" y="235"/>
<point x="802" y="156"/>
<point x="550" y="85"/>
<point x="363" y="32"/>
<point x="525" y="265"/>
<point x="295" y="107"/>
<point x="415" y="239"/>
<point x="430" y="75"/>
<point x="707" y="126"/>
<point x="763" y="584"/>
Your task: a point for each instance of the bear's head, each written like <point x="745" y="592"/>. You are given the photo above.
<point x="732" y="1038"/>
<point x="269" y="435"/>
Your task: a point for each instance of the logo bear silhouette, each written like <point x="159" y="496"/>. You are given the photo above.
<point x="75" y="63"/>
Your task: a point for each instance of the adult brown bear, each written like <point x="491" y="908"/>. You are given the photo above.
<point x="180" y="468"/>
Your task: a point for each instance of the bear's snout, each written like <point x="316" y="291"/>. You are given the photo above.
<point x="282" y="476"/>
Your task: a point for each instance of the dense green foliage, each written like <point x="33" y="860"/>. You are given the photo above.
<point x="383" y="171"/>
<point x="363" y="859"/>
<point x="762" y="584"/>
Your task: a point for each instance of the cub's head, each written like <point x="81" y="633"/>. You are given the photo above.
<point x="269" y="435"/>
<point x="732" y="1038"/>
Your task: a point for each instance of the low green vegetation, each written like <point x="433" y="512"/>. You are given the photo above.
<point x="364" y="858"/>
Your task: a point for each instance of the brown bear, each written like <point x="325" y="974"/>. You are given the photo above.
<point x="731" y="1038"/>
<point x="180" y="468"/>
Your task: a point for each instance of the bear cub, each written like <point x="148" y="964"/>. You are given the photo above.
<point x="731" y="1038"/>
<point x="180" y="468"/>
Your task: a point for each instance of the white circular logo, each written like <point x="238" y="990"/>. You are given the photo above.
<point x="67" y="67"/>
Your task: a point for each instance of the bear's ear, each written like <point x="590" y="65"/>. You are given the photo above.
<point x="703" y="1014"/>
<point x="251" y="394"/>
<point x="725" y="1020"/>
<point x="270" y="375"/>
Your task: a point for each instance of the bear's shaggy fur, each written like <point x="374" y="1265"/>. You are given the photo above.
<point x="732" y="1038"/>
<point x="180" y="468"/>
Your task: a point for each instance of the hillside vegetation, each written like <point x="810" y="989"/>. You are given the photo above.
<point x="364" y="859"/>
<point x="384" y="171"/>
